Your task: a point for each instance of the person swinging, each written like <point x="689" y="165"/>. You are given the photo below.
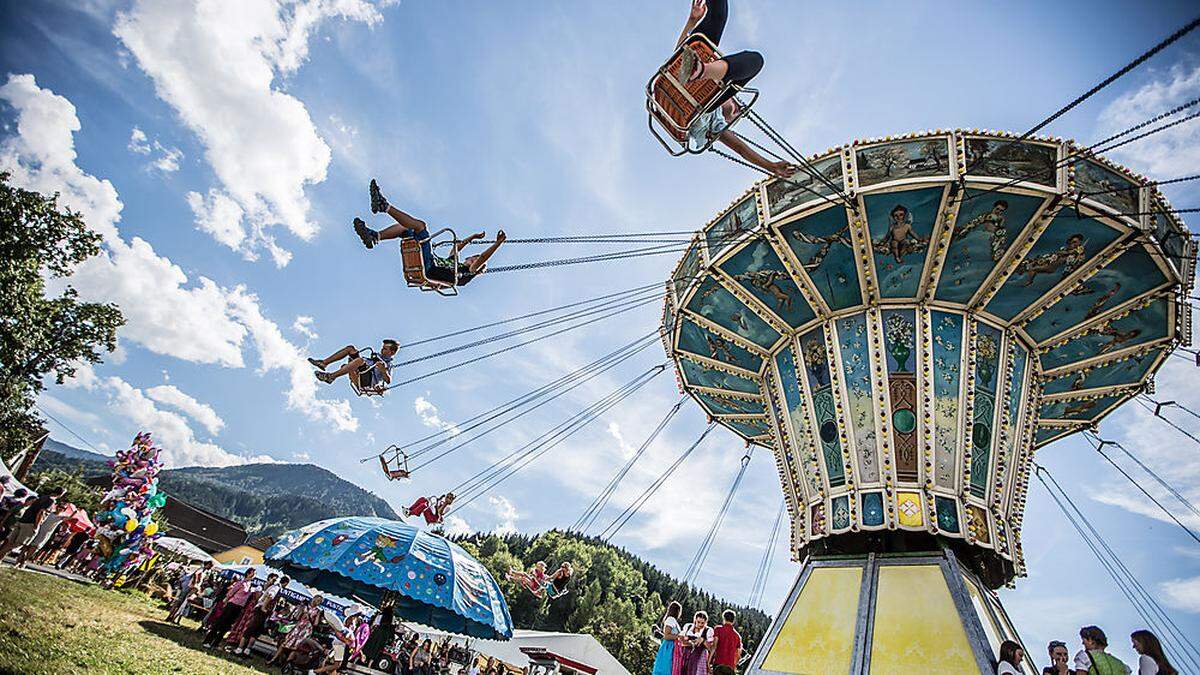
<point x="449" y="272"/>
<point x="432" y="509"/>
<point x="541" y="584"/>
<point x="707" y="18"/>
<point x="371" y="371"/>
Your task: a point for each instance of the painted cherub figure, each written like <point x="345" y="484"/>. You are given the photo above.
<point x="768" y="282"/>
<point x="994" y="223"/>
<point x="900" y="238"/>
<point x="1065" y="260"/>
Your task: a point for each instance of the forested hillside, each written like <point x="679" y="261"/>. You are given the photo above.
<point x="615" y="595"/>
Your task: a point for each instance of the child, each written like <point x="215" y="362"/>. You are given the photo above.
<point x="377" y="374"/>
<point x="434" y="510"/>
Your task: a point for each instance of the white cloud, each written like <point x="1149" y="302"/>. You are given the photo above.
<point x="506" y="515"/>
<point x="1182" y="594"/>
<point x="170" y="395"/>
<point x="455" y="526"/>
<point x="84" y="378"/>
<point x="1167" y="154"/>
<point x="161" y="157"/>
<point x="428" y="412"/>
<point x="304" y="326"/>
<point x="302" y="456"/>
<point x="217" y="64"/>
<point x="170" y="430"/>
<point x="1166" y="451"/>
<point x="275" y="352"/>
<point x="220" y="216"/>
<point x="164" y="310"/>
<point x="614" y="430"/>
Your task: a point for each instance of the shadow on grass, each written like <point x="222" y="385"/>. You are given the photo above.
<point x="193" y="639"/>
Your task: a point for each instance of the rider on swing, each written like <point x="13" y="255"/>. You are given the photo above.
<point x="434" y="510"/>
<point x="707" y="18"/>
<point x="436" y="269"/>
<point x="371" y="371"/>
<point x="539" y="583"/>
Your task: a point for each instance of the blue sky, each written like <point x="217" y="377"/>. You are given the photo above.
<point x="222" y="151"/>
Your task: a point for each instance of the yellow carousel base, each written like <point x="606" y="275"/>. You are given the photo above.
<point x="883" y="614"/>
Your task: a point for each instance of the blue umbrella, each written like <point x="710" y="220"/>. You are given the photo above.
<point x="434" y="582"/>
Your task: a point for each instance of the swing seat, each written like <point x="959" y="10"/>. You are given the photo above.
<point x="673" y="106"/>
<point x="413" y="261"/>
<point x="356" y="381"/>
<point x="395" y="468"/>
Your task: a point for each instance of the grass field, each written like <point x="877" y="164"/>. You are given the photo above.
<point x="51" y="625"/>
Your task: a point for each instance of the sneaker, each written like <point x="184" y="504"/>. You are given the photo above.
<point x="316" y="363"/>
<point x="688" y="66"/>
<point x="379" y="203"/>
<point x="368" y="236"/>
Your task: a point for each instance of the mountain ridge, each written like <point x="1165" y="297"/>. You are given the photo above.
<point x="266" y="498"/>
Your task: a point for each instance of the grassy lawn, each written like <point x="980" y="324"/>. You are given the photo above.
<point x="51" y="625"/>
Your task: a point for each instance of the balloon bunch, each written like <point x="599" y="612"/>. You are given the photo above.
<point x="125" y="529"/>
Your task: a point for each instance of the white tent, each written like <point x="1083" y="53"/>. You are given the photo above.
<point x="13" y="483"/>
<point x="184" y="548"/>
<point x="578" y="647"/>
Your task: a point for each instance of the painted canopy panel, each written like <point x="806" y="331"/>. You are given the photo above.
<point x="1101" y="184"/>
<point x="1126" y="371"/>
<point x="822" y="244"/>
<point x="703" y="376"/>
<point x="1138" y="327"/>
<point x="713" y="302"/>
<point x="739" y="220"/>
<point x="758" y="270"/>
<point x="699" y="340"/>
<point x="688" y="270"/>
<point x="888" y="162"/>
<point x="1002" y="158"/>
<point x="803" y="187"/>
<point x="1066" y="246"/>
<point x="860" y="396"/>
<point x="724" y="405"/>
<point x="901" y="225"/>
<point x="1130" y="275"/>
<point x="750" y="428"/>
<point x="1078" y="409"/>
<point x="987" y="226"/>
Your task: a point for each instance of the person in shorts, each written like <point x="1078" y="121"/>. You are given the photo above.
<point x="708" y="18"/>
<point x="371" y="371"/>
<point x="408" y="227"/>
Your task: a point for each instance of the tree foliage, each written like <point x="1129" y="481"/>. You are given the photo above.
<point x="614" y="596"/>
<point x="42" y="336"/>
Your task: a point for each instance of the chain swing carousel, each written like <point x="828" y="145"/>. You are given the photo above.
<point x="903" y="330"/>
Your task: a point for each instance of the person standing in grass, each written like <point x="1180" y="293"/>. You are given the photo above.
<point x="236" y="597"/>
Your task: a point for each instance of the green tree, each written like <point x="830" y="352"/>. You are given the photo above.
<point x="42" y="336"/>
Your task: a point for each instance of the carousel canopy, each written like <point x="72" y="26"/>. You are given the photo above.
<point x="904" y="329"/>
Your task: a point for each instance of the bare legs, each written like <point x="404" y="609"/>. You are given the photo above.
<point x="355" y="363"/>
<point x="404" y="223"/>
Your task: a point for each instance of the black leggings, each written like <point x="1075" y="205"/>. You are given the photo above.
<point x="743" y="66"/>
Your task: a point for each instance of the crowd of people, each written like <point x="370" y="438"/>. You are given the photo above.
<point x="235" y="613"/>
<point x="698" y="648"/>
<point x="1092" y="658"/>
<point x="42" y="529"/>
